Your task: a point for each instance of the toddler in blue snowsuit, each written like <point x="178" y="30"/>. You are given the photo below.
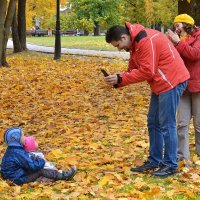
<point x="19" y="168"/>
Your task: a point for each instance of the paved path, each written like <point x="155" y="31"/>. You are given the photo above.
<point x="47" y="49"/>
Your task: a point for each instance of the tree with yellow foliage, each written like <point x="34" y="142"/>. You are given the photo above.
<point x="43" y="10"/>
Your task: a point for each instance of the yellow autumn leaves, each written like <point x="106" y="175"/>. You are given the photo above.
<point x="79" y="120"/>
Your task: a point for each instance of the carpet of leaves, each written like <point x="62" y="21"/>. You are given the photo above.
<point x="79" y="120"/>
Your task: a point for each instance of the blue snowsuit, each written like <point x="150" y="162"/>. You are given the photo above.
<point x="16" y="163"/>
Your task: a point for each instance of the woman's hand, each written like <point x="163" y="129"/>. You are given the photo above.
<point x="173" y="37"/>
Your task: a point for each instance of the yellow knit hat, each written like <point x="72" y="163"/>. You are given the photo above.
<point x="184" y="18"/>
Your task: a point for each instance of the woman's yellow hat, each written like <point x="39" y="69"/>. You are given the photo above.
<point x="184" y="18"/>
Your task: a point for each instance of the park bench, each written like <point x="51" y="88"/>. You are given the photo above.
<point x="41" y="32"/>
<point x="64" y="33"/>
<point x="30" y="32"/>
<point x="37" y="32"/>
<point x="68" y="32"/>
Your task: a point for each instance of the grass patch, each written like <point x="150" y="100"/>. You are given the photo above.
<point x="126" y="188"/>
<point x="57" y="191"/>
<point x="75" y="42"/>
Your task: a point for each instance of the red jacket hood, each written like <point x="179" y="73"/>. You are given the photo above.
<point x="134" y="29"/>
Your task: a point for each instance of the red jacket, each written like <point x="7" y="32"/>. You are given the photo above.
<point x="190" y="53"/>
<point x="153" y="58"/>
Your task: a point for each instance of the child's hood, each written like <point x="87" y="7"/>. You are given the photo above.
<point x="12" y="137"/>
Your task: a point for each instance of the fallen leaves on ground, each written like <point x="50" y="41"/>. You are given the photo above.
<point x="79" y="120"/>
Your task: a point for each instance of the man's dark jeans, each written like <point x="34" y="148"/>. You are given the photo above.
<point x="162" y="126"/>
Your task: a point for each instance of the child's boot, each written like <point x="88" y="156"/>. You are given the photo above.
<point x="68" y="175"/>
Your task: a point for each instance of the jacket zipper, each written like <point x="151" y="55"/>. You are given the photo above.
<point x="164" y="78"/>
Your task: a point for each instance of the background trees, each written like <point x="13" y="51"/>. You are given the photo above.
<point x="6" y="17"/>
<point x="21" y="19"/>
<point x="133" y="11"/>
<point x="89" y="15"/>
<point x="165" y="11"/>
<point x="191" y="7"/>
<point x="44" y="11"/>
<point x="19" y="27"/>
<point x="2" y="24"/>
<point x="93" y="14"/>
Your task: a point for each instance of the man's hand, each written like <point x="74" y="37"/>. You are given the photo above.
<point x="111" y="80"/>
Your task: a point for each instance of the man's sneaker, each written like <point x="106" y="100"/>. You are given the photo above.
<point x="145" y="167"/>
<point x="68" y="175"/>
<point x="165" y="171"/>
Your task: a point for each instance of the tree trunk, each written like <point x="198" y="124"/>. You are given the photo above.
<point x="15" y="35"/>
<point x="22" y="23"/>
<point x="8" y="23"/>
<point x="191" y="9"/>
<point x="3" y="8"/>
<point x="96" y="28"/>
<point x="86" y="33"/>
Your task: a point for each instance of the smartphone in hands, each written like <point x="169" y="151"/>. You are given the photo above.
<point x="104" y="72"/>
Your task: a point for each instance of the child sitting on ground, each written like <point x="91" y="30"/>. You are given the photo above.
<point x="31" y="147"/>
<point x="18" y="167"/>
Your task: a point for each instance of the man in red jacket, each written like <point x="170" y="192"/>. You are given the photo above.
<point x="154" y="59"/>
